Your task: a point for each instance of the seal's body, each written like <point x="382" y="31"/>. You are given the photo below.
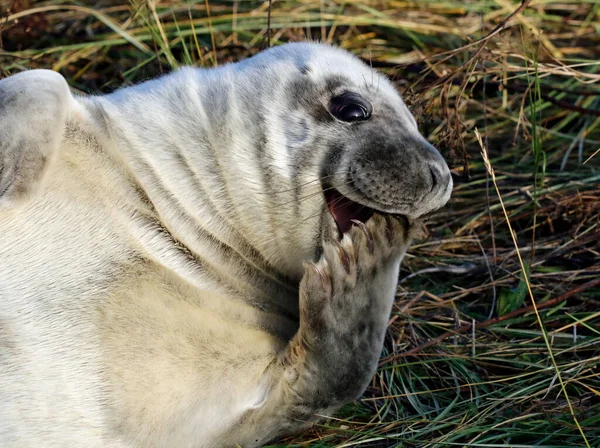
<point x="178" y="260"/>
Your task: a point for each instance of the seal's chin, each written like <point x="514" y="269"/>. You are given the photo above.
<point x="344" y="211"/>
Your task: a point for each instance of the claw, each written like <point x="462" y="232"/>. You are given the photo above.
<point x="406" y="226"/>
<point x="322" y="276"/>
<point x="389" y="228"/>
<point x="344" y="256"/>
<point x="365" y="229"/>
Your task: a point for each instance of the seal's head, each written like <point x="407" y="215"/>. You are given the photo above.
<point x="377" y="160"/>
<point x="294" y="143"/>
<point x="343" y="123"/>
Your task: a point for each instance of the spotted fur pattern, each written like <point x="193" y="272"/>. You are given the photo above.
<point x="169" y="272"/>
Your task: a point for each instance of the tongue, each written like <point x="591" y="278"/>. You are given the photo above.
<point x="344" y="210"/>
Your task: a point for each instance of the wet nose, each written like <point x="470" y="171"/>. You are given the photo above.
<point x="440" y="176"/>
<point x="440" y="179"/>
<point x="434" y="178"/>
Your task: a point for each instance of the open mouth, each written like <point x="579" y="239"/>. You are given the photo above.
<point x="344" y="211"/>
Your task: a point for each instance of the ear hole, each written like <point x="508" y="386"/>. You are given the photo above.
<point x="304" y="69"/>
<point x="297" y="131"/>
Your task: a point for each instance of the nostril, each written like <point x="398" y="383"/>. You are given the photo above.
<point x="434" y="179"/>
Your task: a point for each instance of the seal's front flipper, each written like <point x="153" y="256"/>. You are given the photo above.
<point x="34" y="106"/>
<point x="345" y="305"/>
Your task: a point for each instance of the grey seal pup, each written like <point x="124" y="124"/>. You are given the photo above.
<point x="207" y="259"/>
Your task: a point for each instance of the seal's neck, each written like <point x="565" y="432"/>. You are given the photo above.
<point x="210" y="159"/>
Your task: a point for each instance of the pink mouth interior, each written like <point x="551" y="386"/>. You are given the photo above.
<point x="344" y="210"/>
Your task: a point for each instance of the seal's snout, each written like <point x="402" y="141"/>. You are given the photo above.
<point x="418" y="179"/>
<point x="410" y="178"/>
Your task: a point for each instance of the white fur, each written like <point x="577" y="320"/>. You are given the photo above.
<point x="150" y="281"/>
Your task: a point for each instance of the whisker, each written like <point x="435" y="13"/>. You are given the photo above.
<point x="371" y="64"/>
<point x="319" y="192"/>
<point x="312" y="216"/>
<point x="311" y="195"/>
<point x="324" y="190"/>
<point x="287" y="190"/>
<point x="300" y="201"/>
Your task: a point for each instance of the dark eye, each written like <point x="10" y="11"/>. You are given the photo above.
<point x="350" y="107"/>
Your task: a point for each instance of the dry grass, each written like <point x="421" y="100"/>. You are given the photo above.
<point x="484" y="348"/>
